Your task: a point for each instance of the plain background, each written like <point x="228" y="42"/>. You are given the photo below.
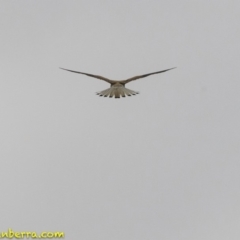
<point x="160" y="165"/>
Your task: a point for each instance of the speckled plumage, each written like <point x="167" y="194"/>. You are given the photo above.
<point x="117" y="88"/>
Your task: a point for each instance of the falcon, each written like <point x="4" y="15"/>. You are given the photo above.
<point x="117" y="88"/>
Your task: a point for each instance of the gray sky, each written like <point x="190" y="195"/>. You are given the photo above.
<point x="160" y="165"/>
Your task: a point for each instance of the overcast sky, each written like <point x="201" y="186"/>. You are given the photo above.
<point x="160" y="165"/>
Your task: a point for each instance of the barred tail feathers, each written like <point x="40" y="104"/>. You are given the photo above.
<point x="116" y="92"/>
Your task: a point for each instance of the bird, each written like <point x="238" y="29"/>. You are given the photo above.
<point x="117" y="88"/>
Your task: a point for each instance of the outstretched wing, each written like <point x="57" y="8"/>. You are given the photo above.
<point x="91" y="75"/>
<point x="144" y="75"/>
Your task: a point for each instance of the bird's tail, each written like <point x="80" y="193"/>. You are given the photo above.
<point x="116" y="92"/>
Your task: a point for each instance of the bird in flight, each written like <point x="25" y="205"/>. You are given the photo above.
<point x="117" y="88"/>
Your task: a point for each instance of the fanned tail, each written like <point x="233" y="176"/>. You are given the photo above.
<point x="116" y="92"/>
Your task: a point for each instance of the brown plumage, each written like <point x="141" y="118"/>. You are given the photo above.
<point x="117" y="88"/>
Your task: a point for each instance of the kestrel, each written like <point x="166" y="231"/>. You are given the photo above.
<point x="117" y="88"/>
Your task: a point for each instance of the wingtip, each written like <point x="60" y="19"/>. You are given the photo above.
<point x="171" y="68"/>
